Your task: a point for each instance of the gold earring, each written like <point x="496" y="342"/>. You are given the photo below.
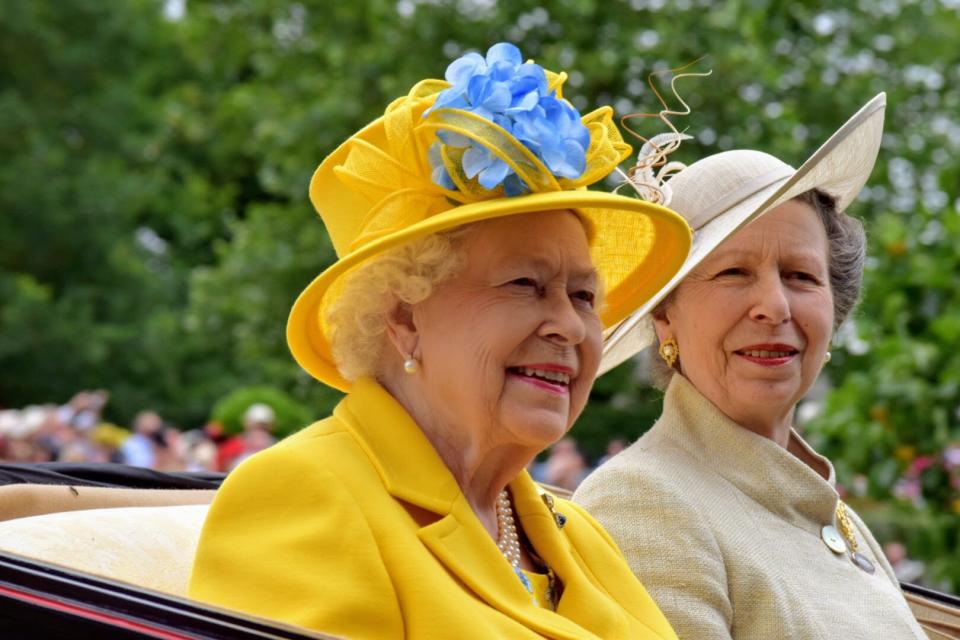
<point x="827" y="357"/>
<point x="410" y="365"/>
<point x="669" y="351"/>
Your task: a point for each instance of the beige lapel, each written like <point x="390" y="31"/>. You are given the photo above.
<point x="757" y="466"/>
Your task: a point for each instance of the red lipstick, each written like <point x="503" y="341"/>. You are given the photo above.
<point x="769" y="354"/>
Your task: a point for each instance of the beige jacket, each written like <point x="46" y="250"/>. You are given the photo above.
<point x="723" y="527"/>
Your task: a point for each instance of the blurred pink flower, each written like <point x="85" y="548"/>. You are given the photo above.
<point x="919" y="465"/>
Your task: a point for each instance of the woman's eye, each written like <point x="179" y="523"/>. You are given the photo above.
<point x="585" y="297"/>
<point x="525" y="284"/>
<point x="732" y="271"/>
<point x="805" y="277"/>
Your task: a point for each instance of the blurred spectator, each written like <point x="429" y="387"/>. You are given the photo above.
<point x="140" y="449"/>
<point x="110" y="438"/>
<point x="170" y="450"/>
<point x="201" y="451"/>
<point x="904" y="568"/>
<point x="76" y="432"/>
<point x="84" y="410"/>
<point x="19" y="431"/>
<point x="50" y="435"/>
<point x="258" y="424"/>
<point x="566" y="466"/>
<point x="614" y="447"/>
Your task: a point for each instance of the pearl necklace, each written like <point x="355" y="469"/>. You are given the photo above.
<point x="507" y="539"/>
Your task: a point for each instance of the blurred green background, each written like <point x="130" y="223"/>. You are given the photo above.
<point x="155" y="228"/>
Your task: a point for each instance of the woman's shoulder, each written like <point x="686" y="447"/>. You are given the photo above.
<point x="654" y="463"/>
<point x="319" y="470"/>
<point x="653" y="481"/>
<point x="656" y="512"/>
<point x="325" y="437"/>
<point x="323" y="452"/>
<point x="586" y="530"/>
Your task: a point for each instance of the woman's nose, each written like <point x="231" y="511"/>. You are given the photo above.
<point x="563" y="322"/>
<point x="771" y="304"/>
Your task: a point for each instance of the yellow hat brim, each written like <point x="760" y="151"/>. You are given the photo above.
<point x="637" y="247"/>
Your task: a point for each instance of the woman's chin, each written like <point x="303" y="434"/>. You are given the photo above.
<point x="774" y="395"/>
<point x="537" y="428"/>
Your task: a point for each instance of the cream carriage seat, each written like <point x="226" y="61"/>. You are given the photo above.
<point x="151" y="547"/>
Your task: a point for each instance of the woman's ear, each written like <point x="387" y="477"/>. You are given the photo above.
<point x="402" y="330"/>
<point x="661" y="324"/>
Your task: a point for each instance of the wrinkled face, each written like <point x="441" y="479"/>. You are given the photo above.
<point x="753" y="321"/>
<point x="509" y="348"/>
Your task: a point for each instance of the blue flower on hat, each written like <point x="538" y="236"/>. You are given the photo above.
<point x="503" y="89"/>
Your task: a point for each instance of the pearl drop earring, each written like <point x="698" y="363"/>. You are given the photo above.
<point x="411" y="365"/>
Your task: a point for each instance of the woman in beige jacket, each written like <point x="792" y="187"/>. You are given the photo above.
<point x="728" y="517"/>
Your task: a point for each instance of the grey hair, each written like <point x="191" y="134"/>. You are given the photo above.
<point x="846" y="254"/>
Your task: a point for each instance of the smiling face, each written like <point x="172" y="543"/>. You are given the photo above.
<point x="753" y="321"/>
<point x="509" y="348"/>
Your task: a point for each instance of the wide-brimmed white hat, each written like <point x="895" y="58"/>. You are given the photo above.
<point x="722" y="193"/>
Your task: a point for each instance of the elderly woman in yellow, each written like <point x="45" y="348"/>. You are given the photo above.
<point x="464" y="320"/>
<point x="727" y="516"/>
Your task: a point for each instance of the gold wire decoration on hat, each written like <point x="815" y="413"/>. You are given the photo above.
<point x="669" y="351"/>
<point x="652" y="185"/>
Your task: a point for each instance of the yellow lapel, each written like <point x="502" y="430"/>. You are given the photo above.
<point x="412" y="471"/>
<point x="407" y="463"/>
<point x="466" y="550"/>
<point x="582" y="600"/>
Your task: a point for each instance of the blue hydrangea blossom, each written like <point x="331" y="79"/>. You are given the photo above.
<point x="503" y="89"/>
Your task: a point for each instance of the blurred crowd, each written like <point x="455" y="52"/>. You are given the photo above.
<point x="77" y="432"/>
<point x="565" y="464"/>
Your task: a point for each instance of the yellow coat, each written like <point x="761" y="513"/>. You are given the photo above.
<point x="355" y="527"/>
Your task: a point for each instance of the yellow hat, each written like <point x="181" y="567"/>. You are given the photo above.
<point x="377" y="191"/>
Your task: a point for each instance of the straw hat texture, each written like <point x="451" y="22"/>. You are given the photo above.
<point x="376" y="192"/>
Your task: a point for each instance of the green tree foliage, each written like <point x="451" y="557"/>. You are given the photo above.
<point x="154" y="225"/>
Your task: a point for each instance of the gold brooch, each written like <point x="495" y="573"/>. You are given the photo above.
<point x="558" y="517"/>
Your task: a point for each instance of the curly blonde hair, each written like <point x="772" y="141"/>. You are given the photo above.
<point x="409" y="274"/>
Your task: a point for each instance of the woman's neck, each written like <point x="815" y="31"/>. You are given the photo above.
<point x="776" y="428"/>
<point x="780" y="430"/>
<point x="481" y="468"/>
<point x="802" y="453"/>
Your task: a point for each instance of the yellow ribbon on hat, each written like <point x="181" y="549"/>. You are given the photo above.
<point x="397" y="179"/>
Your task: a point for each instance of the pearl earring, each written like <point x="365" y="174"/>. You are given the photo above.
<point x="827" y="357"/>
<point x="410" y="365"/>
